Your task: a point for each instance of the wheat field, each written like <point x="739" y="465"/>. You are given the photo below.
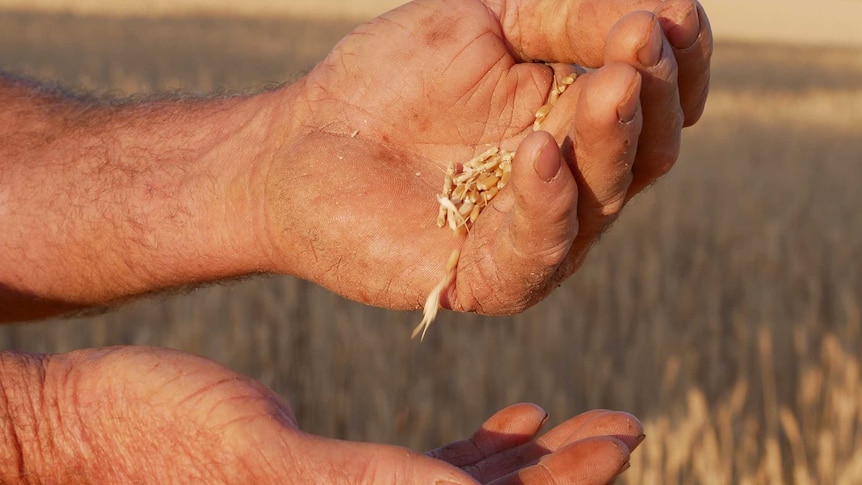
<point x="723" y="309"/>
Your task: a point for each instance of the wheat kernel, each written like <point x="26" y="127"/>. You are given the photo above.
<point x="542" y="112"/>
<point x="460" y="191"/>
<point x="441" y="216"/>
<point x="447" y="180"/>
<point x="475" y="161"/>
<point x="552" y="99"/>
<point x="490" y="194"/>
<point x="468" y="189"/>
<point x="466" y="208"/>
<point x="491" y="164"/>
<point x="487" y="181"/>
<point x="474" y="214"/>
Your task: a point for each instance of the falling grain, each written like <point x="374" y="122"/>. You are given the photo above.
<point x="468" y="189"/>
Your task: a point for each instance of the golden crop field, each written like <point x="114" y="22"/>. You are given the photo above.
<point x="724" y="309"/>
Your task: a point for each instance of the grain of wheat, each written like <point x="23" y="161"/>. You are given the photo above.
<point x="468" y="189"/>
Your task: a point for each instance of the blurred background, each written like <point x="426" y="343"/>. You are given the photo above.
<point x="723" y="309"/>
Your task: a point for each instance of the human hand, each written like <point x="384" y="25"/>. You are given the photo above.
<point x="351" y="202"/>
<point x="150" y="415"/>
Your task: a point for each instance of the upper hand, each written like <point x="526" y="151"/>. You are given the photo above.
<point x="351" y="202"/>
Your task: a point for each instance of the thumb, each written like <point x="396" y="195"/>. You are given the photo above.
<point x="508" y="262"/>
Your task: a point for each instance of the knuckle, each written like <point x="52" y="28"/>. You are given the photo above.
<point x="388" y="464"/>
<point x="657" y="160"/>
<point x="496" y="292"/>
<point x="605" y="206"/>
<point x="509" y="276"/>
<point x="543" y="473"/>
<point x="612" y="209"/>
<point x="695" y="103"/>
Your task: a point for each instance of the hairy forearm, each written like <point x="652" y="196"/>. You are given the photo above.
<point x="103" y="201"/>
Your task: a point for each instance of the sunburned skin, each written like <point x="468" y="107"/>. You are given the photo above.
<point x="468" y="190"/>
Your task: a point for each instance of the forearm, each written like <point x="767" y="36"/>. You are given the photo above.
<point x="100" y="202"/>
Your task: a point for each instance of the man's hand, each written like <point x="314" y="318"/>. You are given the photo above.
<point x="149" y="415"/>
<point x="351" y="202"/>
<point x="334" y="178"/>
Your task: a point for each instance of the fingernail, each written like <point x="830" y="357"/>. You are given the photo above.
<point x="544" y="421"/>
<point x="541" y="410"/>
<point x="547" y="163"/>
<point x="627" y="109"/>
<point x="650" y="53"/>
<point x="640" y="439"/>
<point x="625" y="467"/>
<point x="682" y="26"/>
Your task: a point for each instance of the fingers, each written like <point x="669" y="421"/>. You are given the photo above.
<point x="555" y="210"/>
<point x="508" y="428"/>
<point x="592" y="461"/>
<point x="575" y="31"/>
<point x="600" y="141"/>
<point x="607" y="123"/>
<point x="622" y="427"/>
<point x="637" y="40"/>
<point x="688" y="30"/>
<point x="521" y="238"/>
<point x="567" y="31"/>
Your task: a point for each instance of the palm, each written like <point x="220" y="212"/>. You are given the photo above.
<point x="159" y="415"/>
<point x="436" y="78"/>
<point x="432" y="83"/>
<point x="392" y="113"/>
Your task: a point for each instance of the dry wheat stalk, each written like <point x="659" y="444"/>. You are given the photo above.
<point x="468" y="189"/>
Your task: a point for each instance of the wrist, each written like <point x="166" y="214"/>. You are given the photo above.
<point x="285" y="187"/>
<point x="231" y="236"/>
<point x="281" y="125"/>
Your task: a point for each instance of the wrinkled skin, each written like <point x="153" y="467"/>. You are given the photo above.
<point x="148" y="415"/>
<point x="351" y="202"/>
